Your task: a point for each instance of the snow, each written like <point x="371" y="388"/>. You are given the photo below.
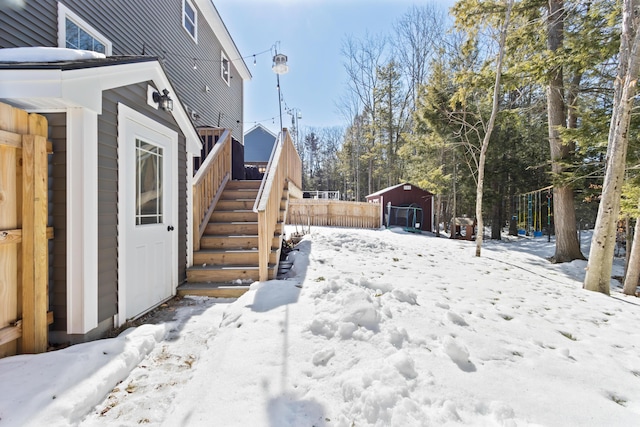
<point x="371" y="328"/>
<point x="45" y="54"/>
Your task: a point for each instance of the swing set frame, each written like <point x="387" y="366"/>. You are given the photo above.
<point x="529" y="211"/>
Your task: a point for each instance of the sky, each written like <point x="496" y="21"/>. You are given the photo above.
<point x="311" y="34"/>
<point x="369" y="328"/>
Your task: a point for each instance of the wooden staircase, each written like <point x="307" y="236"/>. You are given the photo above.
<point x="227" y="261"/>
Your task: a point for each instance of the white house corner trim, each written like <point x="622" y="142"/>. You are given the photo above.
<point x="189" y="209"/>
<point x="82" y="220"/>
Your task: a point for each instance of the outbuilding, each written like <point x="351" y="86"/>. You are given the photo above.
<point x="405" y="195"/>
<point x="258" y="144"/>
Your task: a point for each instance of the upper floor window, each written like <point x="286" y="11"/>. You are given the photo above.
<point x="224" y="67"/>
<point x="190" y="19"/>
<point x="75" y="33"/>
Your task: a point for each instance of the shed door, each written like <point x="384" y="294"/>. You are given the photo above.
<point x="148" y="260"/>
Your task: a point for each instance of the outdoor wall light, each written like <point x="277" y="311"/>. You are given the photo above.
<point x="164" y="101"/>
<point x="280" y="64"/>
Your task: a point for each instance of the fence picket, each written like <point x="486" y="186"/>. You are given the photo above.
<point x="336" y="213"/>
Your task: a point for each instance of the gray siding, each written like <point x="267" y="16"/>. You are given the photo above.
<point x="258" y="144"/>
<point x="132" y="27"/>
<point x="58" y="220"/>
<point x="107" y="201"/>
<point x="34" y="25"/>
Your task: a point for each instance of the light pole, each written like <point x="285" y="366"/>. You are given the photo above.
<point x="296" y="116"/>
<point x="280" y="67"/>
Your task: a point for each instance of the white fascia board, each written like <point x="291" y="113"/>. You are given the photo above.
<point x="214" y="20"/>
<point x="30" y="84"/>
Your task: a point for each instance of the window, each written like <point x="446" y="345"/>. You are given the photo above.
<point x="75" y="33"/>
<point x="148" y="183"/>
<point x="190" y="19"/>
<point x="224" y="68"/>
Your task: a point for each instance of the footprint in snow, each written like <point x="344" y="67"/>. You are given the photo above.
<point x="458" y="353"/>
<point x="321" y="357"/>
<point x="456" y="319"/>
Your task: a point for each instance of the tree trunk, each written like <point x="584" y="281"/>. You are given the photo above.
<point x="437" y="207"/>
<point x="496" y="223"/>
<point x="567" y="245"/>
<point x="487" y="135"/>
<point x="598" y="276"/>
<point x="633" y="271"/>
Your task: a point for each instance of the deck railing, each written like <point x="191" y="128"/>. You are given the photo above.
<point x="284" y="169"/>
<point x="208" y="183"/>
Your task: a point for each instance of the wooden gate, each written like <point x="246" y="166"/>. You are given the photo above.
<point x="23" y="232"/>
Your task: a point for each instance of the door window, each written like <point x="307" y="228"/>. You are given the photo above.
<point x="148" y="183"/>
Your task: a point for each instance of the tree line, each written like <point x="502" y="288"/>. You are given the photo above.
<point x="497" y="99"/>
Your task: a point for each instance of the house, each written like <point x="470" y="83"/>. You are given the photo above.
<point x="258" y="144"/>
<point x="406" y="197"/>
<point x="124" y="125"/>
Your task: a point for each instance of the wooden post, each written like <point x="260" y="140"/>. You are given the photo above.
<point x="34" y="238"/>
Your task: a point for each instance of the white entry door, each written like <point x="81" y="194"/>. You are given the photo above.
<point x="147" y="161"/>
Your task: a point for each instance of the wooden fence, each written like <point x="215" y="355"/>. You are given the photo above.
<point x="335" y="213"/>
<point x="24" y="264"/>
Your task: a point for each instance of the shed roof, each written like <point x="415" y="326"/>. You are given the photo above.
<point x="393" y="187"/>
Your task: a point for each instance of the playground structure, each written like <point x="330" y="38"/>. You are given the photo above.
<point x="408" y="217"/>
<point x="534" y="212"/>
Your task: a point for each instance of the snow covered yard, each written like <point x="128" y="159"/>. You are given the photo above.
<point x="376" y="328"/>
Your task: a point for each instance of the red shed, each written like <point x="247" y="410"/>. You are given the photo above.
<point x="406" y="195"/>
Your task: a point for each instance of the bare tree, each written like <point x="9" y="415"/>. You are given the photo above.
<point x="362" y="60"/>
<point x="600" y="263"/>
<point x="490" y="125"/>
<point x="418" y="37"/>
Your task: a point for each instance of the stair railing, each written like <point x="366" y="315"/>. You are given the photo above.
<point x="284" y="168"/>
<point x="208" y="183"/>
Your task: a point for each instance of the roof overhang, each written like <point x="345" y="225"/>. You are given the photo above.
<point x="212" y="16"/>
<point x="260" y="126"/>
<point x="50" y="87"/>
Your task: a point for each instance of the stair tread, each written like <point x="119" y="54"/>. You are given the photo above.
<point x="218" y="236"/>
<point x="199" y="285"/>
<point x="226" y="267"/>
<point x="233" y="222"/>
<point x="220" y="251"/>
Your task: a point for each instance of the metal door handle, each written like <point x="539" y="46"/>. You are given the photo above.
<point x="170" y="228"/>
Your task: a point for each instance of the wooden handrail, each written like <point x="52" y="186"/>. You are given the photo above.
<point x="284" y="167"/>
<point x="208" y="183"/>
